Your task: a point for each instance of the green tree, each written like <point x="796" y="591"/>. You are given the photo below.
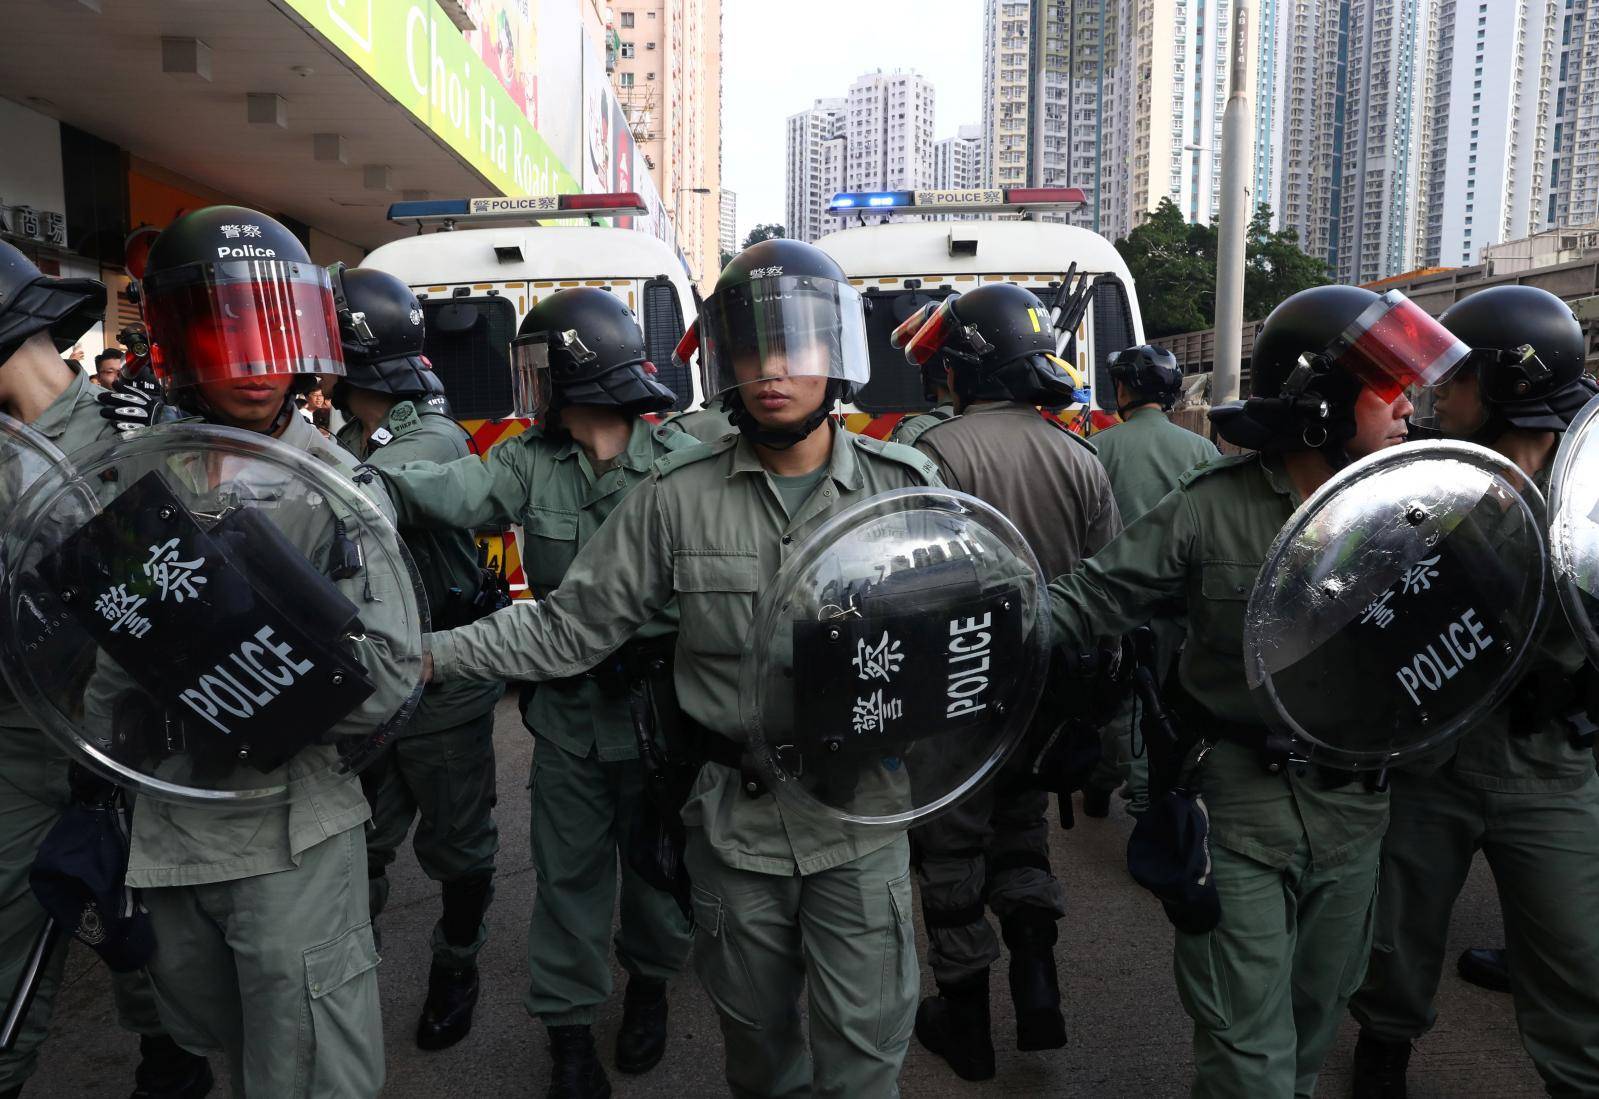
<point x="1173" y="264"/>
<point x="764" y="232"/>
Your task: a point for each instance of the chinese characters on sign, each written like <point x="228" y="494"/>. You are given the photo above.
<point x="47" y="226"/>
<point x="880" y="661"/>
<point x="1415" y="579"/>
<point x="179" y="579"/>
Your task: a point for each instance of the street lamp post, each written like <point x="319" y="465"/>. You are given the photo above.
<point x="1235" y="157"/>
<point x="677" y="213"/>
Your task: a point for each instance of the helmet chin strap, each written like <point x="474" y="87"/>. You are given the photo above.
<point x="775" y="438"/>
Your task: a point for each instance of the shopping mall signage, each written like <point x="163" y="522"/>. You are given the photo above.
<point x="45" y="226"/>
<point x="477" y="95"/>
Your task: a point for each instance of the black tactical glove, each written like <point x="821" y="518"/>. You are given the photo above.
<point x="136" y="403"/>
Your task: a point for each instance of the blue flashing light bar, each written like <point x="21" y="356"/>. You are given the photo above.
<point x="966" y="200"/>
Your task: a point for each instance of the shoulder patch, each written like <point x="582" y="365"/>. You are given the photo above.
<point x="696" y="452"/>
<point x="1215" y="465"/>
<point x="674" y="438"/>
<point x="403" y="419"/>
<point x="899" y="452"/>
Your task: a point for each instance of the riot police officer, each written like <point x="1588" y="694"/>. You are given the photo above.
<point x="442" y="766"/>
<point x="1144" y="456"/>
<point x="1520" y="785"/>
<point x="998" y="348"/>
<point x="580" y="371"/>
<point x="262" y="913"/>
<point x="39" y="318"/>
<point x="779" y="902"/>
<point x="1293" y="851"/>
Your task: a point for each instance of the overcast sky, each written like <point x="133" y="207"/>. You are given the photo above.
<point x="778" y="57"/>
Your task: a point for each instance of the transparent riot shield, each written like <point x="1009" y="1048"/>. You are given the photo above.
<point x="206" y="615"/>
<point x="25" y="455"/>
<point x="1574" y="526"/>
<point x="896" y="659"/>
<point x="1398" y="605"/>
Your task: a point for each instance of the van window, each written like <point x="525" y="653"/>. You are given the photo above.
<point x="1113" y="332"/>
<point x="896" y="385"/>
<point x="469" y="343"/>
<point x="662" y="317"/>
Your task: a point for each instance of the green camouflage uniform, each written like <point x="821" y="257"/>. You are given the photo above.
<point x="780" y="903"/>
<point x="587" y="783"/>
<point x="1144" y="456"/>
<point x="1295" y="859"/>
<point x="442" y="764"/>
<point x="1517" y="788"/>
<point x="33" y="794"/>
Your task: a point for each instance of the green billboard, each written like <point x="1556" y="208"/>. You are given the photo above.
<point x="410" y="50"/>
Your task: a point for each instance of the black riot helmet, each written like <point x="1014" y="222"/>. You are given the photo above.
<point x="1314" y="355"/>
<point x="32" y="302"/>
<point x="1527" y="351"/>
<point x="583" y="346"/>
<point x="1151" y="374"/>
<point x="381" y="330"/>
<point x="782" y="308"/>
<point x="230" y="293"/>
<point x="999" y="343"/>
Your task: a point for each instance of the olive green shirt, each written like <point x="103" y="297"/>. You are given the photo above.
<point x="71" y="421"/>
<point x="708" y="424"/>
<point x="178" y="844"/>
<point x="446" y="559"/>
<point x="1145" y="454"/>
<point x="912" y="427"/>
<point x="707" y="528"/>
<point x="1201" y="548"/>
<point x="549" y="486"/>
<point x="1039" y="475"/>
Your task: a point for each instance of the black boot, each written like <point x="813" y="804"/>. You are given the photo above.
<point x="168" y="1071"/>
<point x="1096" y="802"/>
<point x="1034" y="986"/>
<point x="641" y="1042"/>
<point x="1379" y="1068"/>
<point x="575" y="1071"/>
<point x="955" y="1025"/>
<point x="1485" y="967"/>
<point x="447" y="1012"/>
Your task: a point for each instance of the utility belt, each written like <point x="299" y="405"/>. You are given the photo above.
<point x="713" y="747"/>
<point x="626" y="668"/>
<point x="1548" y="694"/>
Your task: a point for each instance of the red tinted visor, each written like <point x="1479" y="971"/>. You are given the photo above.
<point x="1395" y="344"/>
<point x="933" y="334"/>
<point x="245" y="318"/>
<point x="910" y="326"/>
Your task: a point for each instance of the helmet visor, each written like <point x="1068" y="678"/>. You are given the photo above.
<point x="532" y="387"/>
<point x="1395" y="344"/>
<point x="246" y="318"/>
<point x="785" y="326"/>
<point x="935" y="331"/>
<point x="910" y="326"/>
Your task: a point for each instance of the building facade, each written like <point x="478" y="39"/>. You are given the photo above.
<point x="888" y="132"/>
<point x="1574" y="118"/>
<point x="727" y="224"/>
<point x="813" y="167"/>
<point x="668" y="76"/>
<point x="958" y="160"/>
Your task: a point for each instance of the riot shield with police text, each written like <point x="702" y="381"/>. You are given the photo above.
<point x="1574" y="527"/>
<point x="206" y="615"/>
<point x="896" y="659"/>
<point x="1398" y="605"/>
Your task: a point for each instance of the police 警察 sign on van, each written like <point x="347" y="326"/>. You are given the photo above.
<point x="207" y="615"/>
<point x="896" y="659"/>
<point x="1398" y="605"/>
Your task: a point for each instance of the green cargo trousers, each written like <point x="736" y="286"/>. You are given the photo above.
<point x="33" y="793"/>
<point x="1543" y="849"/>
<point x="1266" y="988"/>
<point x="843" y="935"/>
<point x="446" y="777"/>
<point x="991" y="849"/>
<point x="582" y="811"/>
<point x="279" y="972"/>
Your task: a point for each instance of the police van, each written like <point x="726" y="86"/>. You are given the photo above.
<point x="478" y="265"/>
<point x="971" y="237"/>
